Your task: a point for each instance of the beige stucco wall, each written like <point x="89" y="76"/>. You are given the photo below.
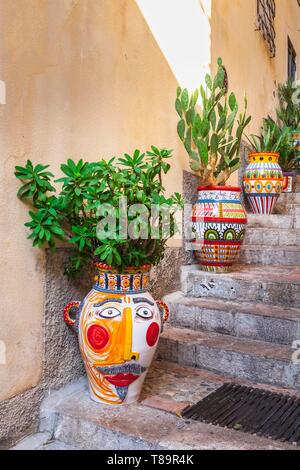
<point x="87" y="78"/>
<point x="84" y="78"/>
<point x="245" y="54"/>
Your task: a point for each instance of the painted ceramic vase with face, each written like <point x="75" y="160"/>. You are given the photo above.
<point x="218" y="225"/>
<point x="118" y="326"/>
<point x="263" y="182"/>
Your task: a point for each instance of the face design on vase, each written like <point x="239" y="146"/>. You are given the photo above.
<point x="118" y="336"/>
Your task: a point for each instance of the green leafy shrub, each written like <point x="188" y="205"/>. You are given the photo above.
<point x="93" y="190"/>
<point x="288" y="112"/>
<point x="211" y="133"/>
<point x="272" y="138"/>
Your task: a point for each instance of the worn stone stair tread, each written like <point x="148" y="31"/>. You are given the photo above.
<point x="221" y="305"/>
<point x="254" y="360"/>
<point x="41" y="441"/>
<point x="219" y="341"/>
<point x="259" y="321"/>
<point x="78" y="421"/>
<point x="270" y="255"/>
<point x="272" y="236"/>
<point x="269" y="284"/>
<point x="271" y="221"/>
<point x="277" y="273"/>
<point x="293" y="248"/>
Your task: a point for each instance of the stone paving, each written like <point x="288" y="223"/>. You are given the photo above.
<point x="71" y="420"/>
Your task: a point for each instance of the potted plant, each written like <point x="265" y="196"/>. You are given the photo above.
<point x="263" y="178"/>
<point x="288" y="115"/>
<point x="212" y="135"/>
<point x="106" y="211"/>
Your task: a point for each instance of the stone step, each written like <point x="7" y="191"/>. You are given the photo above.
<point x="270" y="255"/>
<point x="72" y="418"/>
<point x="271" y="221"/>
<point x="246" y="320"/>
<point x="286" y="201"/>
<point x="257" y="361"/>
<point x="285" y="208"/>
<point x="273" y="285"/>
<point x="272" y="236"/>
<point x="41" y="441"/>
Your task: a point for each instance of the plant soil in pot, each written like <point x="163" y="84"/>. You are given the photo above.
<point x="218" y="223"/>
<point x="118" y="326"/>
<point x="263" y="181"/>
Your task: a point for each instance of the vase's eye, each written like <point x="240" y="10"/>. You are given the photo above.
<point x="109" y="312"/>
<point x="144" y="312"/>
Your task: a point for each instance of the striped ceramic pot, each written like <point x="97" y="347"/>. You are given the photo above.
<point x="263" y="182"/>
<point x="218" y="225"/>
<point x="118" y="326"/>
<point x="296" y="139"/>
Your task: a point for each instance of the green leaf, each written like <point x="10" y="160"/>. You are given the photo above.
<point x="190" y="116"/>
<point x="57" y="230"/>
<point x="204" y="127"/>
<point x="185" y="99"/>
<point x="188" y="140"/>
<point x="195" y="166"/>
<point x="203" y="151"/>
<point x="232" y="101"/>
<point x="234" y="162"/>
<point x="181" y="129"/>
<point x="214" y="144"/>
<point x="222" y="122"/>
<point x="178" y="107"/>
<point x="208" y="81"/>
<point x="219" y="78"/>
<point x="195" y="97"/>
<point x="213" y="119"/>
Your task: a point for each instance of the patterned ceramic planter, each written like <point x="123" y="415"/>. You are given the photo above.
<point x="218" y="225"/>
<point x="296" y="138"/>
<point x="118" y="326"/>
<point x="289" y="181"/>
<point x="263" y="181"/>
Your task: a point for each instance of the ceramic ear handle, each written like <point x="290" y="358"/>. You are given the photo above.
<point x="71" y="308"/>
<point x="163" y="309"/>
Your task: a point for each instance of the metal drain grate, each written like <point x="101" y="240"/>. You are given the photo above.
<point x="250" y="410"/>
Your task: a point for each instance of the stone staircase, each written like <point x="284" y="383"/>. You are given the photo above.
<point x="238" y="326"/>
<point x="244" y="323"/>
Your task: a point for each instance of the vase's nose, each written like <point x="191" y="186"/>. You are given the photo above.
<point x="128" y="353"/>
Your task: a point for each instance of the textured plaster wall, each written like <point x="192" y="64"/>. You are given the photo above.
<point x="83" y="78"/>
<point x="245" y="54"/>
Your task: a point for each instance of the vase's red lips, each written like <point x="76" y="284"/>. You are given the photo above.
<point x="121" y="380"/>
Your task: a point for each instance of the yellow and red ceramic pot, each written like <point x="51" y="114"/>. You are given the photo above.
<point x="295" y="134"/>
<point x="218" y="224"/>
<point x="118" y="325"/>
<point x="263" y="182"/>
